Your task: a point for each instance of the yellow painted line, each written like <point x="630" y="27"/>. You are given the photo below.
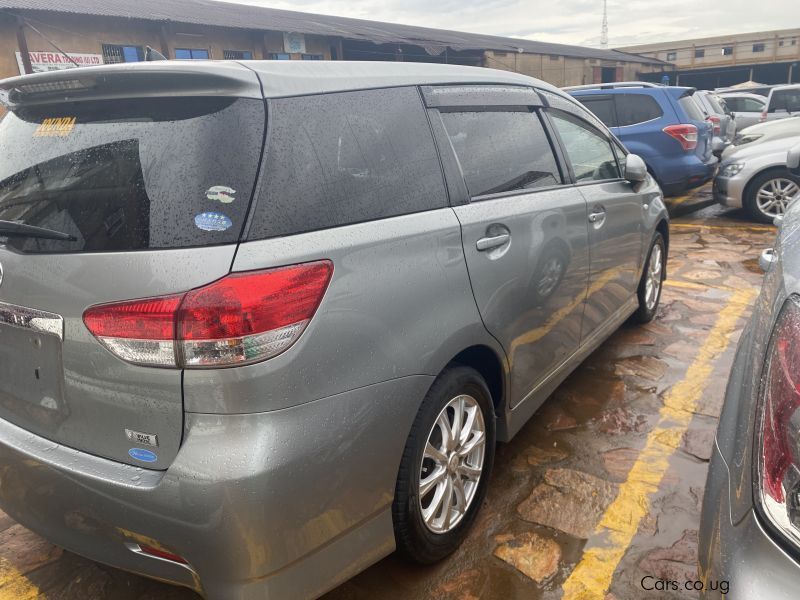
<point x="14" y="585"/>
<point x="593" y="575"/>
<point x="704" y="226"/>
<point x="677" y="200"/>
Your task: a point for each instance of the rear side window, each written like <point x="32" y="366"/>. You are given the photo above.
<point x="602" y="107"/>
<point x="337" y="159"/>
<point x="788" y="100"/>
<point x="690" y="107"/>
<point x="588" y="149"/>
<point x="135" y="175"/>
<point x="501" y="151"/>
<point x="636" y="108"/>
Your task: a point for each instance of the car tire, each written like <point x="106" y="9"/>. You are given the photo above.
<point x="775" y="182"/>
<point x="651" y="283"/>
<point x="425" y="533"/>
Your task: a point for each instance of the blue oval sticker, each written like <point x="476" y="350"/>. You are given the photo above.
<point x="142" y="454"/>
<point x="212" y="221"/>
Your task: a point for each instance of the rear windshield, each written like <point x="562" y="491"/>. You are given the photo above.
<point x="788" y="100"/>
<point x="714" y="101"/>
<point x="132" y="175"/>
<point x="690" y="107"/>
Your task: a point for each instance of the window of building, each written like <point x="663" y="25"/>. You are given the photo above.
<point x="780" y="43"/>
<point x="727" y="50"/>
<point x="700" y="53"/>
<point x="280" y="56"/>
<point x="554" y="57"/>
<point x="602" y="107"/>
<point x="496" y="53"/>
<point x="113" y="53"/>
<point x="347" y="157"/>
<point x="501" y="151"/>
<point x="636" y="108"/>
<point x="588" y="149"/>
<point x="759" y="47"/>
<point x="192" y="54"/>
<point x="312" y="57"/>
<point x="237" y="55"/>
<point x="671" y="56"/>
<point x="794" y="42"/>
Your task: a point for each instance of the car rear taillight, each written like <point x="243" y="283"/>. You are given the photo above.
<point x="685" y="134"/>
<point x="715" y="122"/>
<point x="240" y="319"/>
<point x="779" y="424"/>
<point x="763" y="117"/>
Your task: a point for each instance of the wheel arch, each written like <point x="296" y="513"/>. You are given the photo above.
<point x="662" y="227"/>
<point x="486" y="362"/>
<point x="777" y="168"/>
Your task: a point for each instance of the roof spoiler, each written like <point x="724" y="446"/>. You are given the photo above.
<point x="135" y="80"/>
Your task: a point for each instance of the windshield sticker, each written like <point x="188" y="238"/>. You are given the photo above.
<point x="221" y="193"/>
<point x="212" y="221"/>
<point x="60" y="127"/>
<point x="142" y="455"/>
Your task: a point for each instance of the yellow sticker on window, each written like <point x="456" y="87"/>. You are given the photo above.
<point x="59" y="127"/>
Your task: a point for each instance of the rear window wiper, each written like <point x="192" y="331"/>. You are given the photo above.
<point x="14" y="229"/>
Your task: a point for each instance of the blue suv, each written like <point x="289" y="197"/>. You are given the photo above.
<point x="662" y="124"/>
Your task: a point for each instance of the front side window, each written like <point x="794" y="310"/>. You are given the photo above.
<point x="501" y="151"/>
<point x="633" y="109"/>
<point x="587" y="148"/>
<point x="343" y="158"/>
<point x="191" y="54"/>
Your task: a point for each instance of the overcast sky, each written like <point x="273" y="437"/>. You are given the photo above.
<point x="568" y="21"/>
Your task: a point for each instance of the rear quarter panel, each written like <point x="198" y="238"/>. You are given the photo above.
<point x="399" y="303"/>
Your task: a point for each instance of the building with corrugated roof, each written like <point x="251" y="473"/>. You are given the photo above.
<point x="38" y="35"/>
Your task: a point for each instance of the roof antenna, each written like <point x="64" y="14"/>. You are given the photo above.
<point x="151" y="54"/>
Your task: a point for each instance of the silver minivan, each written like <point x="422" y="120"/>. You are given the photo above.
<point x="263" y="323"/>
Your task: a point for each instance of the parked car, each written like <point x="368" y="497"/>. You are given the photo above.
<point x="745" y="108"/>
<point x="749" y="531"/>
<point x="783" y="102"/>
<point x="763" y="133"/>
<point x="661" y="124"/>
<point x="254" y="365"/>
<point x="717" y="112"/>
<point x="756" y="178"/>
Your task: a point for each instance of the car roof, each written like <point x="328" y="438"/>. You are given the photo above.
<point x="778" y="88"/>
<point x="276" y="79"/>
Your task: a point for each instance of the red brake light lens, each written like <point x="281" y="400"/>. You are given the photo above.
<point x="779" y="436"/>
<point x="715" y="122"/>
<point x="685" y="134"/>
<point x="239" y="319"/>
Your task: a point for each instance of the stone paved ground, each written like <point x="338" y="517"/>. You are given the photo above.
<point x="569" y="470"/>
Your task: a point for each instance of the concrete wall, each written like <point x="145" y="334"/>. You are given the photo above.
<point x="87" y="34"/>
<point x="563" y="71"/>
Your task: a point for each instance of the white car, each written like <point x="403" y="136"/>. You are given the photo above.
<point x="783" y="102"/>
<point x="746" y="107"/>
<point x="763" y="133"/>
<point x="755" y="177"/>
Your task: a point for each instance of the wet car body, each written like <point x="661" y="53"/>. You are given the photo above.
<point x="279" y="476"/>
<point x="741" y="541"/>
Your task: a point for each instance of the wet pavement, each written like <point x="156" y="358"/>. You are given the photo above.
<point x="600" y="489"/>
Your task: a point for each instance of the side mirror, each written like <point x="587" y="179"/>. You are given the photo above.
<point x="793" y="160"/>
<point x="635" y="169"/>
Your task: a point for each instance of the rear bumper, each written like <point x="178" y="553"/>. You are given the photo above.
<point x="686" y="173"/>
<point x="270" y="505"/>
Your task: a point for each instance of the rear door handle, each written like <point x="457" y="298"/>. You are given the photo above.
<point x="596" y="217"/>
<point x="495" y="241"/>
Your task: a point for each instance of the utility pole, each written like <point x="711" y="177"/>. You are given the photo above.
<point x="604" y="28"/>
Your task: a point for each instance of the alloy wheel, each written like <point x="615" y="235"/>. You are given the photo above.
<point x="775" y="196"/>
<point x="655" y="269"/>
<point x="452" y="464"/>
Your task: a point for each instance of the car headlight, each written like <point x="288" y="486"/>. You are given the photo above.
<point x="741" y="140"/>
<point x="732" y="169"/>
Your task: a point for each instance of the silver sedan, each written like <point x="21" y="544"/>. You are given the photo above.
<point x="756" y="178"/>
